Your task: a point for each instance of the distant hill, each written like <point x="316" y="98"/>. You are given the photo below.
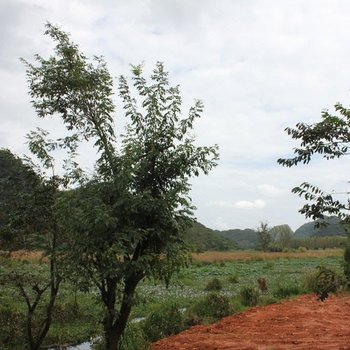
<point x="333" y="228"/>
<point x="202" y="238"/>
<point x="245" y="239"/>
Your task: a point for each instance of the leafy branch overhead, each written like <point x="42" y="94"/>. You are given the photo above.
<point x="329" y="138"/>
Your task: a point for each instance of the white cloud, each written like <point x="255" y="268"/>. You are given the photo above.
<point x="270" y="190"/>
<point x="242" y="204"/>
<point x="256" y="204"/>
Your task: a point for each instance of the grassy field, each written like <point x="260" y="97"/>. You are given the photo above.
<point x="78" y="314"/>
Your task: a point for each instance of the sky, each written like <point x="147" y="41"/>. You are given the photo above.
<point x="258" y="67"/>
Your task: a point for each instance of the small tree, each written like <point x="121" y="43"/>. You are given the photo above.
<point x="264" y="237"/>
<point x="31" y="212"/>
<point x="282" y="235"/>
<point x="18" y="183"/>
<point x="126" y="222"/>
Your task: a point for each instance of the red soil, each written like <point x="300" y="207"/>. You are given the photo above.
<point x="304" y="323"/>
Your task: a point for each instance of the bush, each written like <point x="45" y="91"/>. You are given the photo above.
<point x="249" y="296"/>
<point x="134" y="338"/>
<point x="208" y="309"/>
<point x="310" y="281"/>
<point x="12" y="331"/>
<point x="284" y="290"/>
<point x="267" y="300"/>
<point x="214" y="285"/>
<point x="233" y="279"/>
<point x="163" y="321"/>
<point x="327" y="281"/>
<point x="347" y="263"/>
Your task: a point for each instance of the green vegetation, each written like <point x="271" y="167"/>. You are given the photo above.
<point x="245" y="239"/>
<point x="126" y="222"/>
<point x="201" y="239"/>
<point x="77" y="314"/>
<point x="209" y="309"/>
<point x="249" y="296"/>
<point x="214" y="285"/>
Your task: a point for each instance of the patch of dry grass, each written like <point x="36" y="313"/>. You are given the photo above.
<point x="25" y="255"/>
<point x="212" y="256"/>
<point x="254" y="255"/>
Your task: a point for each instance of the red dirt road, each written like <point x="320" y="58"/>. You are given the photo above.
<point x="304" y="323"/>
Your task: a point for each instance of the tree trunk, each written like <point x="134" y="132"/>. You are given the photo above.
<point x="114" y="330"/>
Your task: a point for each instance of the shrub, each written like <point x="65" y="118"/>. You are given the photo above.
<point x="12" y="331"/>
<point x="310" y="281"/>
<point x="249" y="296"/>
<point x="134" y="338"/>
<point x="267" y="300"/>
<point x="285" y="290"/>
<point x="327" y="281"/>
<point x="163" y="321"/>
<point x="213" y="285"/>
<point x="208" y="309"/>
<point x="233" y="279"/>
<point x="347" y="263"/>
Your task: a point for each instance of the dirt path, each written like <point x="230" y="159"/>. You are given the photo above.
<point x="303" y="323"/>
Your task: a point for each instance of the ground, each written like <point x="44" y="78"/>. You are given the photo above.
<point x="303" y="323"/>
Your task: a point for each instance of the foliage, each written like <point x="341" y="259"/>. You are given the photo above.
<point x="163" y="321"/>
<point x="213" y="285"/>
<point x="30" y="212"/>
<point x="327" y="242"/>
<point x="185" y="290"/>
<point x="19" y="189"/>
<point x="286" y="289"/>
<point x="209" y="309"/>
<point x="233" y="278"/>
<point x="249" y="296"/>
<point x="201" y="239"/>
<point x="264" y="237"/>
<point x="282" y="235"/>
<point x="136" y="206"/>
<point x="347" y="263"/>
<point x="327" y="281"/>
<point x="330" y="139"/>
<point x="245" y="239"/>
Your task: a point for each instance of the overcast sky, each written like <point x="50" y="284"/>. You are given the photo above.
<point x="258" y="66"/>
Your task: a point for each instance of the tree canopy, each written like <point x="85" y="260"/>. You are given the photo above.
<point x="126" y="222"/>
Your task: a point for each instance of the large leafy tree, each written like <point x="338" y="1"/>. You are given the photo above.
<point x="125" y="223"/>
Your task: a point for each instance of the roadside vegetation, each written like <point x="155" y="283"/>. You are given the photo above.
<point x="214" y="285"/>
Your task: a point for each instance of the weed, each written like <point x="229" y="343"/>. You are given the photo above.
<point x="163" y="321"/>
<point x="233" y="279"/>
<point x="208" y="309"/>
<point x="249" y="296"/>
<point x="213" y="285"/>
<point x="285" y="290"/>
<point x="327" y="281"/>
